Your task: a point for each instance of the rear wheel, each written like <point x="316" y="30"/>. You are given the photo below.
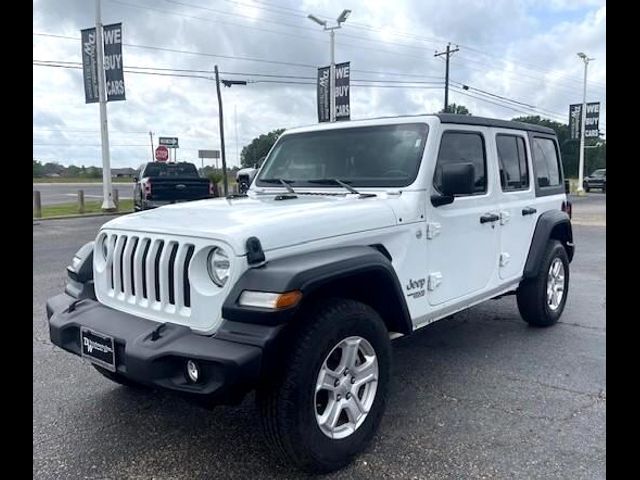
<point x="327" y="403"/>
<point x="541" y="299"/>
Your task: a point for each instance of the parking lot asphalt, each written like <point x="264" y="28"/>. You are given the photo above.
<point x="56" y="193"/>
<point x="479" y="395"/>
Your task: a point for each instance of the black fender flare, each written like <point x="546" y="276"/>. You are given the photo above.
<point x="552" y="224"/>
<point x="363" y="270"/>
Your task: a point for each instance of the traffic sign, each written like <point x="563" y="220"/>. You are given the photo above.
<point x="208" y="153"/>
<point x="162" y="153"/>
<point x="169" y="142"/>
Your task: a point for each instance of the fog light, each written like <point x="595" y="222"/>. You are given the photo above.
<point x="193" y="372"/>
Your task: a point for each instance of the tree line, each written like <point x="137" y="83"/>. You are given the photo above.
<point x="259" y="147"/>
<point x="55" y="169"/>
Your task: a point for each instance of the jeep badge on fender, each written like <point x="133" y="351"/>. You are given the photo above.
<point x="295" y="289"/>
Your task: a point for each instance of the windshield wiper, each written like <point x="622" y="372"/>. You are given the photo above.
<point x="337" y="181"/>
<point x="280" y="180"/>
<point x="328" y="181"/>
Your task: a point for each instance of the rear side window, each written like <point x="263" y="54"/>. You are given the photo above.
<point x="546" y="162"/>
<point x="158" y="169"/>
<point x="512" y="154"/>
<point x="463" y="147"/>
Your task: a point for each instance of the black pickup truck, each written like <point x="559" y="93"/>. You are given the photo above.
<point x="160" y="183"/>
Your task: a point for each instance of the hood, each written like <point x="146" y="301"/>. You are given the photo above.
<point x="276" y="223"/>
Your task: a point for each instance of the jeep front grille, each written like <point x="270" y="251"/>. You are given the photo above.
<point x="149" y="272"/>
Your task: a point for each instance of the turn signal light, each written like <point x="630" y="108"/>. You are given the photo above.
<point x="270" y="300"/>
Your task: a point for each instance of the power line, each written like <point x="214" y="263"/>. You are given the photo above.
<point x="499" y="100"/>
<point x="253" y="27"/>
<point x="138" y="70"/>
<point x="503" y="104"/>
<point x="529" y="66"/>
<point x="189" y="52"/>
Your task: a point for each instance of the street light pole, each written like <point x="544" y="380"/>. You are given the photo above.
<point x="583" y="121"/>
<point x="332" y="69"/>
<point x="332" y="77"/>
<point x="107" y="193"/>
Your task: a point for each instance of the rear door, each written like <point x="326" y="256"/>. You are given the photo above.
<point x="462" y="250"/>
<point x="518" y="212"/>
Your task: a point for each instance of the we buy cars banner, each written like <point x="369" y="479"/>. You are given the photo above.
<point x="113" y="66"/>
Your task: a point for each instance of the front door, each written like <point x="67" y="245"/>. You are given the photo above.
<point x="463" y="237"/>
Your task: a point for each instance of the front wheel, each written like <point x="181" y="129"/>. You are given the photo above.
<point x="327" y="403"/>
<point x="541" y="299"/>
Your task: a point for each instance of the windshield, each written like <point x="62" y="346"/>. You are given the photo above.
<point x="170" y="170"/>
<point x="599" y="173"/>
<point x="380" y="156"/>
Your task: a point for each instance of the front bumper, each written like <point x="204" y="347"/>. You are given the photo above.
<point x="230" y="362"/>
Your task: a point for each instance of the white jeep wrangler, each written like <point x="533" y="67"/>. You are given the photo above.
<point x="351" y="235"/>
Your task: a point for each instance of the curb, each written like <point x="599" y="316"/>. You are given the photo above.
<point x="84" y="215"/>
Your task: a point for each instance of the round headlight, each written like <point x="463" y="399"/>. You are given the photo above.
<point x="218" y="266"/>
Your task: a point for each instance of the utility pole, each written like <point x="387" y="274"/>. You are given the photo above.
<point x="151" y="137"/>
<point x="221" y="121"/>
<point x="235" y="118"/>
<point x="448" y="52"/>
<point x="107" y="193"/>
<point x="332" y="70"/>
<point x="583" y="122"/>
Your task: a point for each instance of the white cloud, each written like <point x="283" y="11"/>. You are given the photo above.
<point x="521" y="50"/>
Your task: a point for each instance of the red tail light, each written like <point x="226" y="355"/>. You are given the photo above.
<point x="567" y="207"/>
<point x="146" y="188"/>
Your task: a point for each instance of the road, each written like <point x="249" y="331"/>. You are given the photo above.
<point x="55" y="193"/>
<point x="480" y="395"/>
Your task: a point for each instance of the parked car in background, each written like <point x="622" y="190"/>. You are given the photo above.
<point x="245" y="176"/>
<point x="162" y="183"/>
<point x="597" y="179"/>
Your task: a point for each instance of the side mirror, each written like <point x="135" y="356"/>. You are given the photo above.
<point x="135" y="179"/>
<point x="455" y="179"/>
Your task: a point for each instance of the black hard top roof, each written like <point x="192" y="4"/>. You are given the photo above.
<point x="492" y="122"/>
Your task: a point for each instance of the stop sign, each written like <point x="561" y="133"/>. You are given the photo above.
<point x="162" y="153"/>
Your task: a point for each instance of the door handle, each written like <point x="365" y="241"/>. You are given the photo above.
<point x="528" y="211"/>
<point x="489" y="217"/>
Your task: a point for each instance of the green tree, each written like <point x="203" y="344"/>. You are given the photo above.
<point x="94" y="172"/>
<point x="258" y="148"/>
<point x="453" y="108"/>
<point x="38" y="169"/>
<point x="72" y="171"/>
<point x="52" y="167"/>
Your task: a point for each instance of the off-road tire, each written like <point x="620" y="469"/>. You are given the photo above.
<point x="532" y="293"/>
<point x="287" y="404"/>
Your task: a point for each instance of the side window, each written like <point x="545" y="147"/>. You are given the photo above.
<point x="546" y="164"/>
<point x="514" y="174"/>
<point x="463" y="147"/>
